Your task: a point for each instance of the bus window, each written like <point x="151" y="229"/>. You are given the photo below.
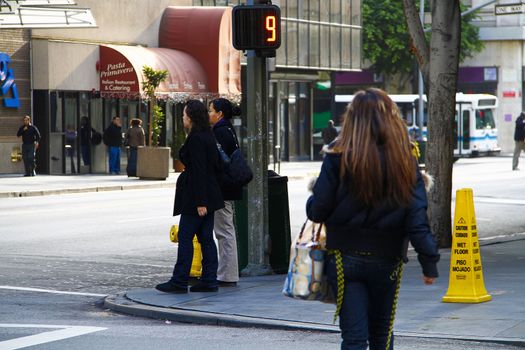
<point x="485" y="119"/>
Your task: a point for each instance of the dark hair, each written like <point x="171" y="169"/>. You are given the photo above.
<point x="136" y="122"/>
<point x="226" y="107"/>
<point x="198" y="114"/>
<point x="373" y="126"/>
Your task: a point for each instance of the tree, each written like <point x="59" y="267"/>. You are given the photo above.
<point x="439" y="64"/>
<point x="153" y="78"/>
<point x="385" y="31"/>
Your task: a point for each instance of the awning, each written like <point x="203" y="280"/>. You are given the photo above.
<point x="206" y="34"/>
<point x="121" y="71"/>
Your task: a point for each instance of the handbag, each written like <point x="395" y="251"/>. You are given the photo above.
<point x="306" y="278"/>
<point x="236" y="172"/>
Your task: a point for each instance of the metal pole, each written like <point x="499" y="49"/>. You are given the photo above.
<point x="421" y="87"/>
<point x="257" y="125"/>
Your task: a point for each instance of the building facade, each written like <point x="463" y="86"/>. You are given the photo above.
<point x="68" y="76"/>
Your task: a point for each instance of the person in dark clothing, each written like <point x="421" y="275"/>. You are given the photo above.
<point x="113" y="139"/>
<point x="30" y="142"/>
<point x="519" y="139"/>
<point x="197" y="197"/>
<point x="371" y="197"/>
<point x="86" y="133"/>
<point x="135" y="137"/>
<point x="221" y="112"/>
<point x="329" y="133"/>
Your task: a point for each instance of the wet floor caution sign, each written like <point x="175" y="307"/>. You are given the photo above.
<point x="466" y="283"/>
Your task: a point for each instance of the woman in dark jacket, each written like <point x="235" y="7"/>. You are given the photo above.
<point x="197" y="197"/>
<point x="221" y="111"/>
<point x="371" y="197"/>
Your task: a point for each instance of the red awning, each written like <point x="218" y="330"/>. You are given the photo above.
<point x="206" y="34"/>
<point x="121" y="71"/>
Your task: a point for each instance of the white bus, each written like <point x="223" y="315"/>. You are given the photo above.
<point x="476" y="131"/>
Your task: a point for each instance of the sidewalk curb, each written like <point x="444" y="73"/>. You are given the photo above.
<point x="85" y="190"/>
<point x="120" y="303"/>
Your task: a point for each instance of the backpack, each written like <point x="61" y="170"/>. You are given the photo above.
<point x="96" y="138"/>
<point x="235" y="169"/>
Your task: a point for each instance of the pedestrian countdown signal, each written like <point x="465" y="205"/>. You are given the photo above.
<point x="256" y="27"/>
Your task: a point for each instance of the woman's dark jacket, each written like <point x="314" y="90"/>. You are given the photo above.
<point x="197" y="185"/>
<point x="353" y="227"/>
<point x="227" y="138"/>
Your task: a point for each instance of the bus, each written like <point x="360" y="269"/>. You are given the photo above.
<point x="476" y="132"/>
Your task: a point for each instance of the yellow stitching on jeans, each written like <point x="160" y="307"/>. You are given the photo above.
<point x="397" y="273"/>
<point x="340" y="282"/>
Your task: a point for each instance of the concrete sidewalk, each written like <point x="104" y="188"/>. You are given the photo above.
<point x="258" y="302"/>
<point x="40" y="185"/>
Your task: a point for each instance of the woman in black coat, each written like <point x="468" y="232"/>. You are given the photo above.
<point x="371" y="197"/>
<point x="197" y="197"/>
<point x="221" y="112"/>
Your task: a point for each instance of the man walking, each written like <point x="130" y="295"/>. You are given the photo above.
<point x="113" y="139"/>
<point x="30" y="139"/>
<point x="519" y="138"/>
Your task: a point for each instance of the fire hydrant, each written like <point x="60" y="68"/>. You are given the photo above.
<point x="196" y="263"/>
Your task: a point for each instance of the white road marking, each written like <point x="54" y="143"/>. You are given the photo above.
<point x="52" y="291"/>
<point x="511" y="201"/>
<point x="64" y="332"/>
<point x="143" y="219"/>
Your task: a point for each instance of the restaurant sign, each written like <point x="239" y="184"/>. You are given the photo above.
<point x="118" y="78"/>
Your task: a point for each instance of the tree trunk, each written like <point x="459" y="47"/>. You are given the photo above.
<point x="441" y="80"/>
<point x="444" y="61"/>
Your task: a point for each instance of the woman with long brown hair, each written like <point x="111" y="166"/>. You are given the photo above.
<point x="371" y="197"/>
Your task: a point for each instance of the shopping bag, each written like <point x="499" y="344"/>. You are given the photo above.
<point x="306" y="278"/>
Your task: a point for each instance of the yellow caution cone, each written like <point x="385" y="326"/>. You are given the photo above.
<point x="466" y="283"/>
<point x="196" y="263"/>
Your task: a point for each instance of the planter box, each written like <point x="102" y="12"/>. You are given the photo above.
<point x="153" y="163"/>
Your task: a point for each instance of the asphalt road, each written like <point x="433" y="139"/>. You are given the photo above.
<point x="102" y="243"/>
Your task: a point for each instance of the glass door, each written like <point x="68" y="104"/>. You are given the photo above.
<point x="71" y="139"/>
<point x="56" y="134"/>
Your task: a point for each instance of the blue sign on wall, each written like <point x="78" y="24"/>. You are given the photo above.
<point x="7" y="83"/>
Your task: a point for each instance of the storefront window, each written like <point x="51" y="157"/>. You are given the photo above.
<point x="303" y="44"/>
<point x="335" y="47"/>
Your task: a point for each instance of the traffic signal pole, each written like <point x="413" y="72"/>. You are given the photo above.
<point x="257" y="125"/>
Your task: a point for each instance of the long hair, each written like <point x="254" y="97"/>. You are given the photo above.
<point x="376" y="159"/>
<point x="198" y="114"/>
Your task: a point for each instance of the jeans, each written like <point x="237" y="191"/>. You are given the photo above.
<point x="368" y="311"/>
<point x="28" y="156"/>
<point x="131" y="169"/>
<point x="86" y="154"/>
<point x="114" y="159"/>
<point x="190" y="225"/>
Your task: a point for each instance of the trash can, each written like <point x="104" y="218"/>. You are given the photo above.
<point x="278" y="224"/>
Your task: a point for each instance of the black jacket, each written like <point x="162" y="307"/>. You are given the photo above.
<point x="227" y="138"/>
<point x="198" y="184"/>
<point x="519" y="132"/>
<point x="29" y="136"/>
<point x="113" y="136"/>
<point x="351" y="226"/>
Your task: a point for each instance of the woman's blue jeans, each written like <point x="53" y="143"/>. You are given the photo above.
<point x="367" y="313"/>
<point x="202" y="226"/>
